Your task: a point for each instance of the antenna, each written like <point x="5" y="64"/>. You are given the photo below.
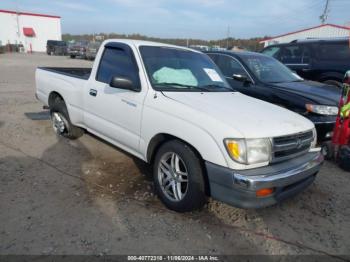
<point x="324" y="16"/>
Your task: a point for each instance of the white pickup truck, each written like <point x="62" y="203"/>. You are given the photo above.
<point x="171" y="107"/>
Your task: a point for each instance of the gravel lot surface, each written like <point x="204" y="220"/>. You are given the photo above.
<point x="87" y="197"/>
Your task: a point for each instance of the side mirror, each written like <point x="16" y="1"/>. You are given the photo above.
<point x="123" y="83"/>
<point x="241" y="78"/>
<point x="347" y="78"/>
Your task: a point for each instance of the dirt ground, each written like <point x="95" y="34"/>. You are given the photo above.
<point x="87" y="197"/>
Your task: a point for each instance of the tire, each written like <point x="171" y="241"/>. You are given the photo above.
<point x="333" y="83"/>
<point x="61" y="122"/>
<point x="327" y="150"/>
<point x="190" y="195"/>
<point x="72" y="56"/>
<point x="344" y="158"/>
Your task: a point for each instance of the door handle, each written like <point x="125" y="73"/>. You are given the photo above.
<point x="93" y="92"/>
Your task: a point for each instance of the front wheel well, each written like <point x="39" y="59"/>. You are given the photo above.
<point x="158" y="140"/>
<point x="331" y="76"/>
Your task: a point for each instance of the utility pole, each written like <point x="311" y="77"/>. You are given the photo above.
<point x="17" y="19"/>
<point x="324" y="15"/>
<point x="228" y="36"/>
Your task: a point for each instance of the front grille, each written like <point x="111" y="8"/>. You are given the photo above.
<point x="287" y="147"/>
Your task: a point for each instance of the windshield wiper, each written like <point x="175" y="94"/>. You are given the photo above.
<point x="212" y="87"/>
<point x="199" y="88"/>
<point x="275" y="82"/>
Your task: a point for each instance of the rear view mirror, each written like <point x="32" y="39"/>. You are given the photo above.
<point x="241" y="78"/>
<point x="123" y="83"/>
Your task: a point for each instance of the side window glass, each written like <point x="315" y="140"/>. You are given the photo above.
<point x="116" y="62"/>
<point x="230" y="66"/>
<point x="292" y="55"/>
<point x="272" y="51"/>
<point x="334" y="51"/>
<point x="306" y="55"/>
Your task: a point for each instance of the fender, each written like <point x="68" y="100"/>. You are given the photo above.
<point x="198" y="138"/>
<point x="70" y="91"/>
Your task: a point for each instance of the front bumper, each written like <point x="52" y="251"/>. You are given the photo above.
<point x="76" y="53"/>
<point x="324" y="131"/>
<point x="324" y="126"/>
<point x="238" y="187"/>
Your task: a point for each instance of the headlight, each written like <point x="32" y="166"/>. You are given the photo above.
<point x="249" y="151"/>
<point x="322" y="110"/>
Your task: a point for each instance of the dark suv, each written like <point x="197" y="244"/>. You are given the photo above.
<point x="319" y="60"/>
<point x="55" y="47"/>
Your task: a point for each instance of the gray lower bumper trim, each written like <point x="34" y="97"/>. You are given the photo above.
<point x="238" y="188"/>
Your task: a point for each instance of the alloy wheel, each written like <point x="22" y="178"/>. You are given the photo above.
<point x="173" y="176"/>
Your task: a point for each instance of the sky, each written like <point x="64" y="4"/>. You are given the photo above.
<point x="204" y="19"/>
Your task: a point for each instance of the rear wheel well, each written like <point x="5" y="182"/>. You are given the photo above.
<point x="158" y="140"/>
<point x="52" y="98"/>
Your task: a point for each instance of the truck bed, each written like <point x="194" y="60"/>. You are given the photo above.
<point x="78" y="72"/>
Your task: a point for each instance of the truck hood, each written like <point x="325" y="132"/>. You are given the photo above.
<point x="318" y="93"/>
<point x="251" y="117"/>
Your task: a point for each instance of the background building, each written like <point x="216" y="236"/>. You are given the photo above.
<point x="322" y="31"/>
<point x="32" y="30"/>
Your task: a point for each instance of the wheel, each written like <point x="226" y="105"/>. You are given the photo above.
<point x="72" y="56"/>
<point x="334" y="83"/>
<point x="61" y="123"/>
<point x="344" y="158"/>
<point x="178" y="177"/>
<point x="327" y="150"/>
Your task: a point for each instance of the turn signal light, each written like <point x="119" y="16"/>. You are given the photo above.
<point x="264" y="192"/>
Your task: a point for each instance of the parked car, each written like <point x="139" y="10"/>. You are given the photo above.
<point x="171" y="107"/>
<point x="265" y="78"/>
<point x="78" y="49"/>
<point x="319" y="60"/>
<point x="54" y="47"/>
<point x="92" y="49"/>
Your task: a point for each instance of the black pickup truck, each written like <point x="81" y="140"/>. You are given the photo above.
<point x="265" y="78"/>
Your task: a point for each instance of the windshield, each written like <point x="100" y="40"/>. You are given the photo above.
<point x="57" y="43"/>
<point x="94" y="44"/>
<point x="269" y="70"/>
<point x="80" y="43"/>
<point x="61" y="43"/>
<point x="172" y="69"/>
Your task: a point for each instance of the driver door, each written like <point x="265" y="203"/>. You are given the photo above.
<point x="112" y="112"/>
